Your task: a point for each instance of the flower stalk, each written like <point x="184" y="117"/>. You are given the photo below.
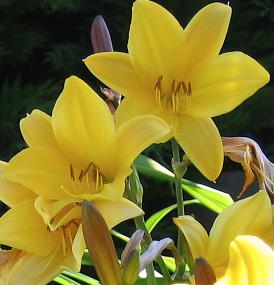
<point x="180" y="199"/>
<point x="140" y="224"/>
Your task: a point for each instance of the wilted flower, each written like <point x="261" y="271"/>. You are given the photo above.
<point x="249" y="154"/>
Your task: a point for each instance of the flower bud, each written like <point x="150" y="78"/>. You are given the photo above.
<point x="100" y="245"/>
<point x="100" y="37"/>
<point x="131" y="267"/>
<point x="204" y="274"/>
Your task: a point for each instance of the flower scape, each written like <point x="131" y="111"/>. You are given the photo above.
<point x="77" y="177"/>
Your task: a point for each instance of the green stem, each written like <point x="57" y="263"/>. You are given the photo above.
<point x="140" y="224"/>
<point x="180" y="203"/>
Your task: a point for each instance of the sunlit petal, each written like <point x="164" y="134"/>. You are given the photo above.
<point x="135" y="106"/>
<point x="251" y="263"/>
<point x="12" y="193"/>
<point x="225" y="83"/>
<point x="23" y="228"/>
<point x="151" y="47"/>
<point x="116" y="211"/>
<point x="137" y="134"/>
<point x="115" y="70"/>
<point x="250" y="216"/>
<point x="57" y="213"/>
<point x="195" y="235"/>
<point x="37" y="131"/>
<point x="43" y="170"/>
<point x="206" y="32"/>
<point x="84" y="127"/>
<point x="201" y="141"/>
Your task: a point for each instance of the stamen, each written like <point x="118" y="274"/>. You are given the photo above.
<point x="88" y="168"/>
<point x="189" y="91"/>
<point x="81" y="176"/>
<point x="71" y="172"/>
<point x="184" y="87"/>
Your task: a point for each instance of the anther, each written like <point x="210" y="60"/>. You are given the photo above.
<point x="81" y="176"/>
<point x="71" y="172"/>
<point x="184" y="87"/>
<point x="189" y="91"/>
<point x="88" y="168"/>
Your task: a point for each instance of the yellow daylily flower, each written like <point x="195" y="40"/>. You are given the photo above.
<point x="250" y="216"/>
<point x="178" y="75"/>
<point x="77" y="154"/>
<point x="251" y="262"/>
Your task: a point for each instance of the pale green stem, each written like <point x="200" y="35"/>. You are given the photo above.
<point x="180" y="203"/>
<point x="140" y="224"/>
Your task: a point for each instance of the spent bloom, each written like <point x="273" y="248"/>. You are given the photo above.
<point x="179" y="75"/>
<point x="252" y="216"/>
<point x="77" y="154"/>
<point x="254" y="162"/>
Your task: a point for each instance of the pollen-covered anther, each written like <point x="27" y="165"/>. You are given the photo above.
<point x="176" y="98"/>
<point x="89" y="180"/>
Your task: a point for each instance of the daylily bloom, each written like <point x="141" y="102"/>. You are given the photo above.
<point x="177" y="74"/>
<point x="251" y="262"/>
<point x="37" y="254"/>
<point x="77" y="154"/>
<point x="251" y="216"/>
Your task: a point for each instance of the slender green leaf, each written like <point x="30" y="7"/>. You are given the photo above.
<point x="120" y="236"/>
<point x="211" y="198"/>
<point x="81" y="277"/>
<point x="170" y="263"/>
<point x="64" y="280"/>
<point x="160" y="281"/>
<point x="153" y="220"/>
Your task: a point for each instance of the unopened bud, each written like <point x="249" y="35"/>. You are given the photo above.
<point x="100" y="37"/>
<point x="204" y="274"/>
<point x="131" y="267"/>
<point x="100" y="245"/>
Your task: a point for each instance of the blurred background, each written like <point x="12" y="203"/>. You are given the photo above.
<point x="43" y="42"/>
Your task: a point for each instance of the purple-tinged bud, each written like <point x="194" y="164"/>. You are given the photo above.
<point x="100" y="37"/>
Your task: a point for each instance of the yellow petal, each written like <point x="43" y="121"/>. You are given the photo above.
<point x="78" y="248"/>
<point x="30" y="269"/>
<point x="225" y="83"/>
<point x="84" y="127"/>
<point x="116" y="71"/>
<point x="136" y="135"/>
<point x="251" y="263"/>
<point x="57" y="213"/>
<point x="37" y="131"/>
<point x="115" y="189"/>
<point x="250" y="216"/>
<point x="42" y="170"/>
<point x="206" y="32"/>
<point x="12" y="193"/>
<point x="117" y="211"/>
<point x="195" y="235"/>
<point x="23" y="228"/>
<point x="201" y="141"/>
<point x="132" y="107"/>
<point x="156" y="43"/>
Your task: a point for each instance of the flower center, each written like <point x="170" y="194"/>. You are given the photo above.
<point x="88" y="180"/>
<point x="176" y="99"/>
